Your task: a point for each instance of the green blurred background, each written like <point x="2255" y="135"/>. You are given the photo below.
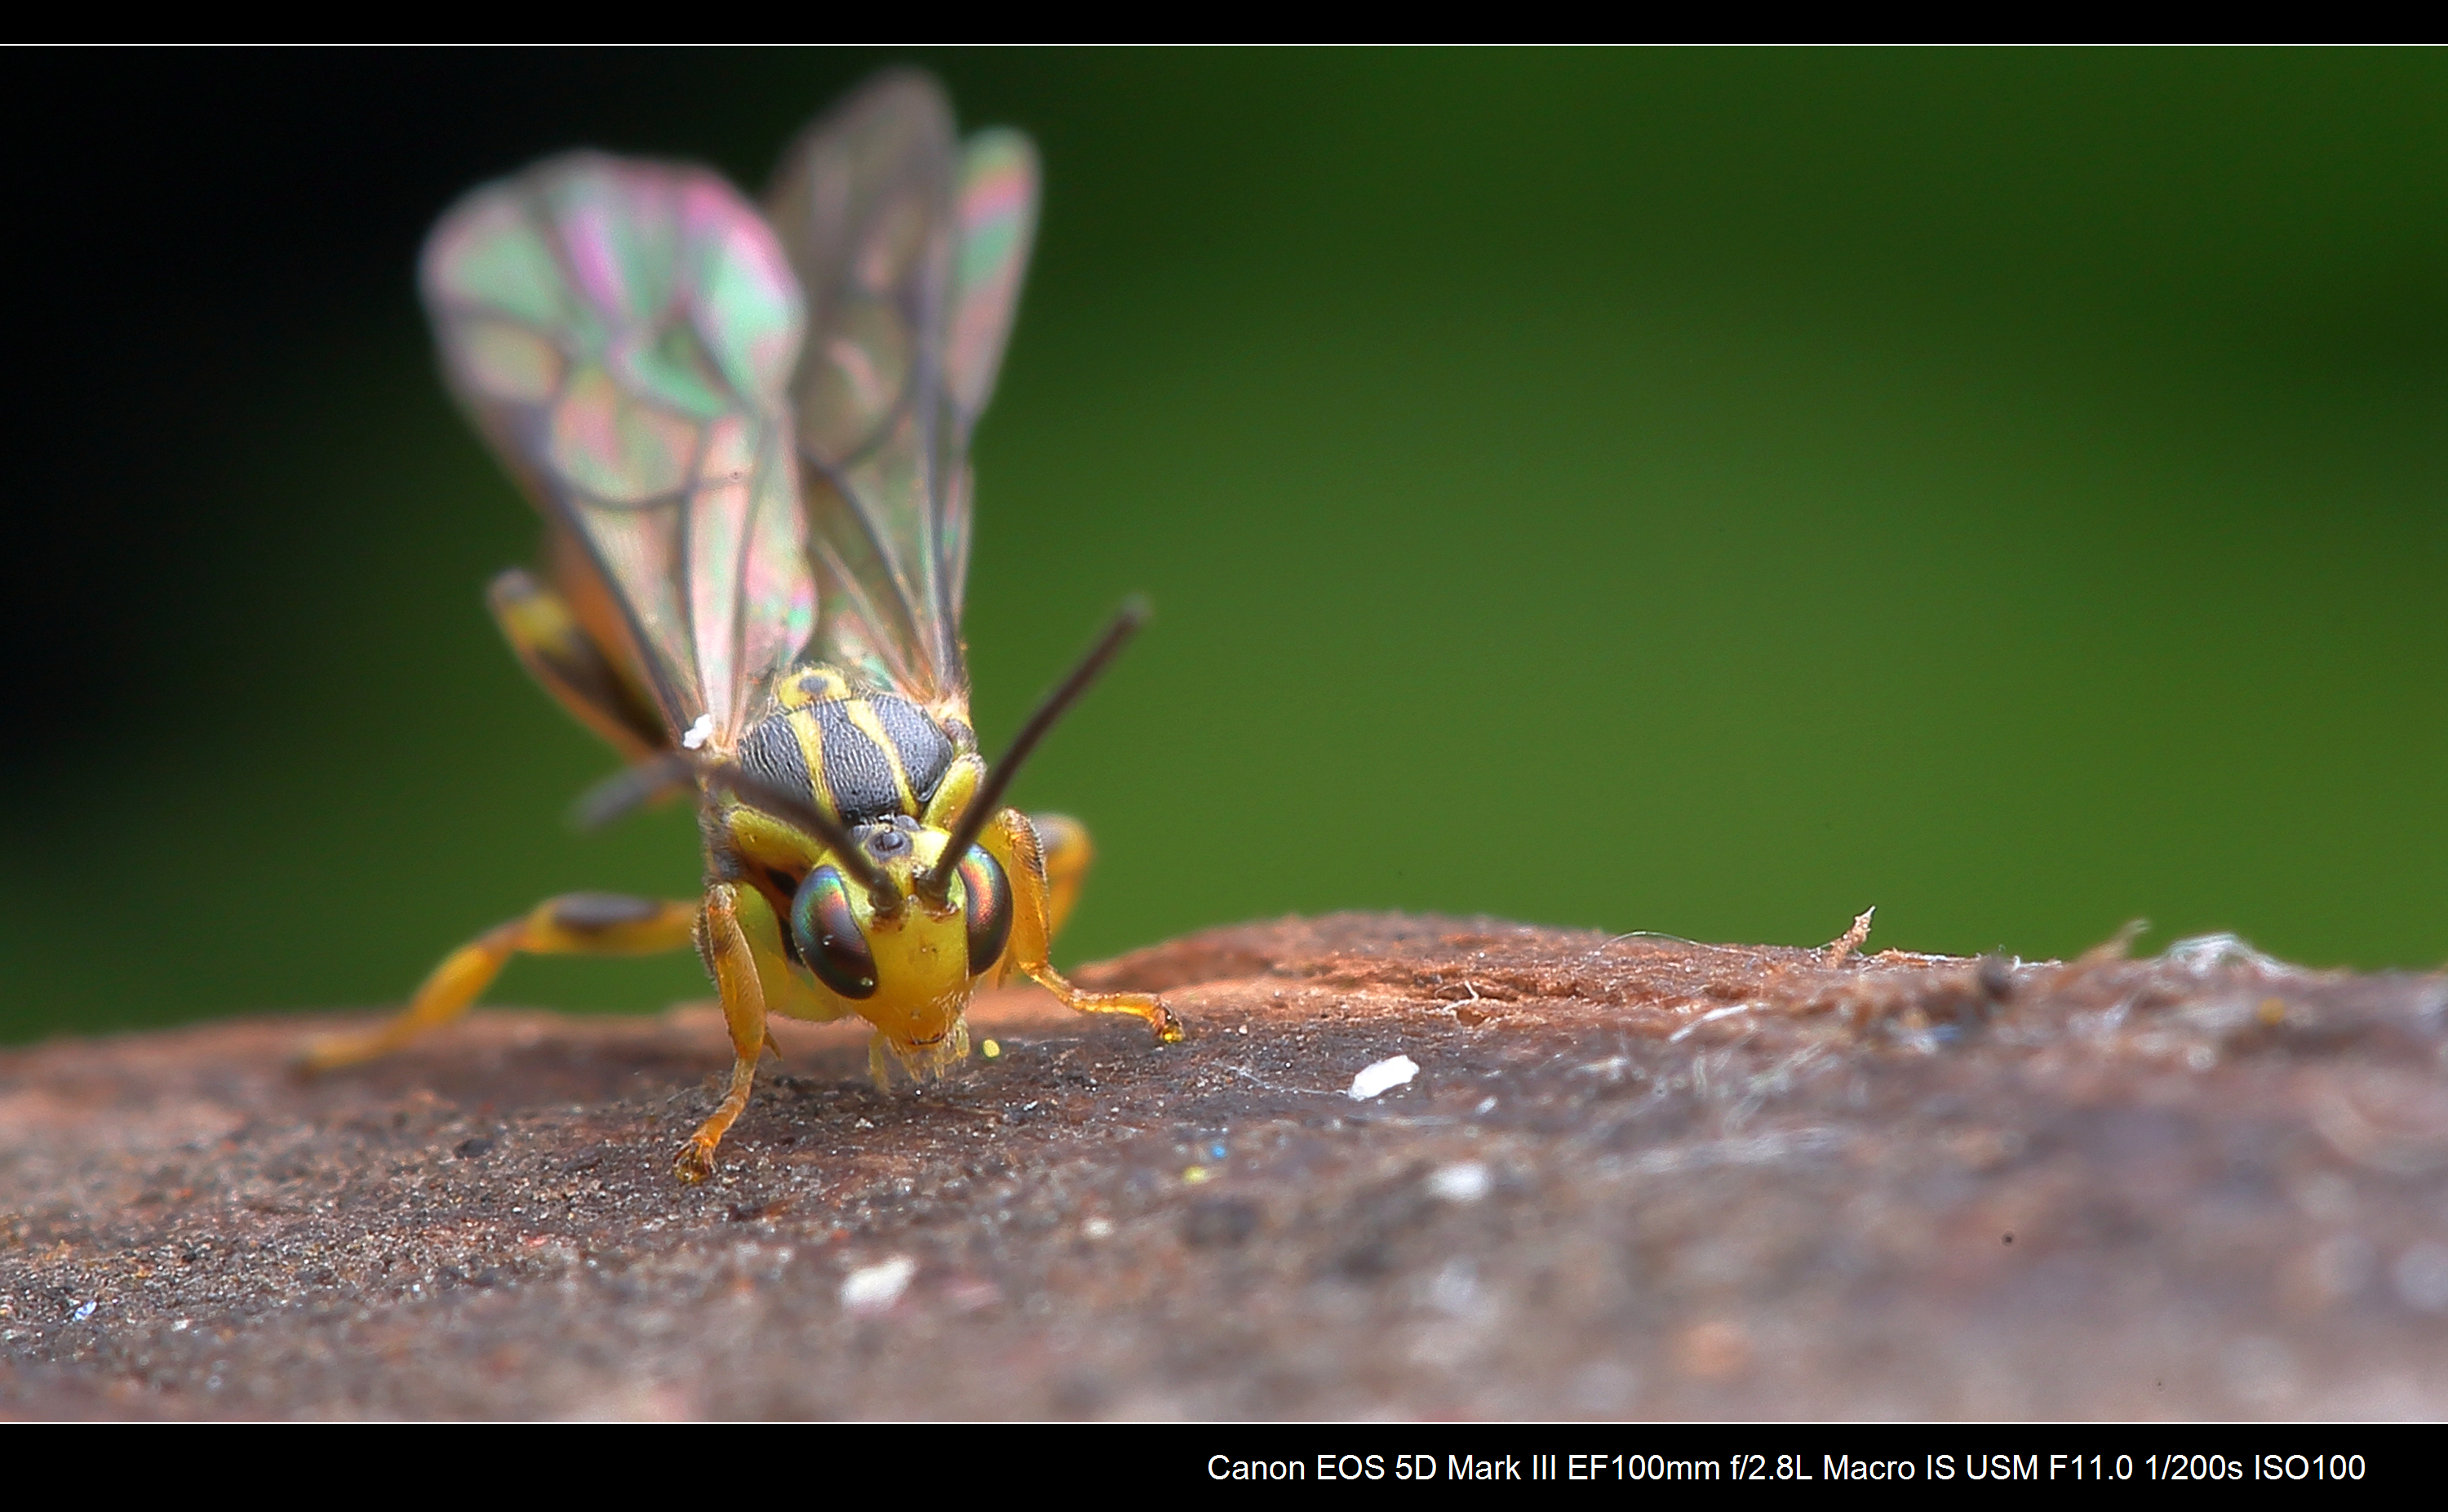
<point x="1705" y="492"/>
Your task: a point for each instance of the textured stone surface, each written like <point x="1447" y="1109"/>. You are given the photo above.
<point x="1632" y="1176"/>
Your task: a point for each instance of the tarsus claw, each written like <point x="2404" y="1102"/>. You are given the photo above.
<point x="694" y="1163"/>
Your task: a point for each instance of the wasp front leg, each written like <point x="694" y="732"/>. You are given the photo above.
<point x="575" y="924"/>
<point x="1064" y="844"/>
<point x="724" y="944"/>
<point x="1044" y="879"/>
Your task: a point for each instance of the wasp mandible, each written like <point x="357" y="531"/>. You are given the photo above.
<point x="747" y="434"/>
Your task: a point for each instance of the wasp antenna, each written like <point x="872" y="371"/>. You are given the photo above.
<point x="1127" y="622"/>
<point x="632" y="788"/>
<point x="754" y="791"/>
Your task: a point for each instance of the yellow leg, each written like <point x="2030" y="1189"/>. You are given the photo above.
<point x="725" y="947"/>
<point x="557" y="649"/>
<point x="1014" y="842"/>
<point x="576" y="924"/>
<point x="1064" y="843"/>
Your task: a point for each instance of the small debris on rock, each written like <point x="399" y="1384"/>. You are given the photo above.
<point x="2204" y="953"/>
<point x="1841" y="949"/>
<point x="875" y="1288"/>
<point x="1382" y="1076"/>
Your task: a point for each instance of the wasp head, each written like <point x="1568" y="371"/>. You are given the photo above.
<point x="904" y="954"/>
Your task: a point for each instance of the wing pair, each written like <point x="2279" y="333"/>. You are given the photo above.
<point x="750" y="429"/>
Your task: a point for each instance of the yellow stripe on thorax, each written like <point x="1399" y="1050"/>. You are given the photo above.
<point x="863" y="714"/>
<point x="812" y="751"/>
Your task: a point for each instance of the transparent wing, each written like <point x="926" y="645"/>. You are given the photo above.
<point x="624" y="333"/>
<point x="911" y="249"/>
<point x="995" y="226"/>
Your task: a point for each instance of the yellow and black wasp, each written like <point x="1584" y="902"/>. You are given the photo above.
<point x="747" y="434"/>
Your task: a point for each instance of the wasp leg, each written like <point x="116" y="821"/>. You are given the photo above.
<point x="574" y="923"/>
<point x="1014" y="842"/>
<point x="724" y="945"/>
<point x="559" y="652"/>
<point x="1067" y="850"/>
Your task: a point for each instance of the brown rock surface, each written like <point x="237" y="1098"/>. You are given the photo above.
<point x="1632" y="1176"/>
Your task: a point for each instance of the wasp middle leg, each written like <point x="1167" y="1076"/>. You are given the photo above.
<point x="573" y="924"/>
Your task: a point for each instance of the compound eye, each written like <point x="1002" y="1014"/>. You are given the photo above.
<point x="828" y="937"/>
<point x="985" y="908"/>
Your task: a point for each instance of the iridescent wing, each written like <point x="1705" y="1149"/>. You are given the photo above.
<point x="624" y="333"/>
<point x="910" y="248"/>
